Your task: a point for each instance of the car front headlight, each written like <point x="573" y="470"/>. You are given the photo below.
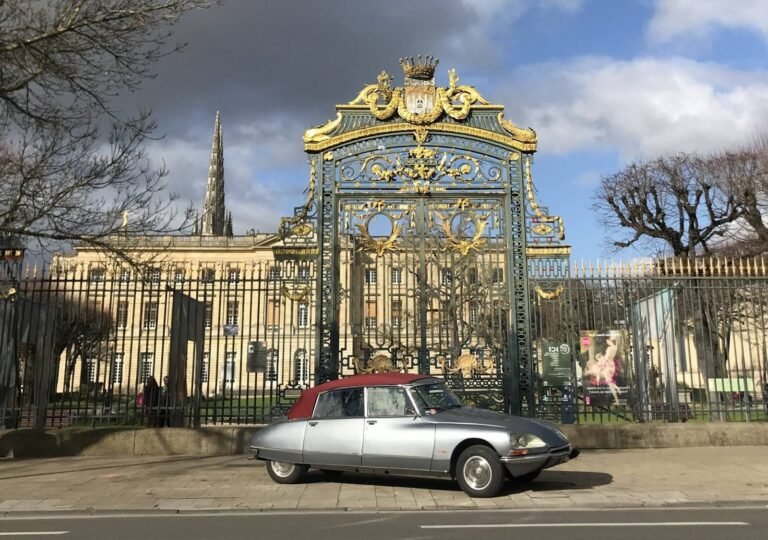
<point x="519" y="441"/>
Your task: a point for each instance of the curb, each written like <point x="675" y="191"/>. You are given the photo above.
<point x="233" y="440"/>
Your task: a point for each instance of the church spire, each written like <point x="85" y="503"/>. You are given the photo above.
<point x="214" y="212"/>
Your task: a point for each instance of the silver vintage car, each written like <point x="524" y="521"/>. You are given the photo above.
<point x="403" y="424"/>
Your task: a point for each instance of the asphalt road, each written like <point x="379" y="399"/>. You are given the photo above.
<point x="659" y="524"/>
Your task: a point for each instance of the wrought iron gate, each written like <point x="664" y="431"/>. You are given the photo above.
<point x="418" y="212"/>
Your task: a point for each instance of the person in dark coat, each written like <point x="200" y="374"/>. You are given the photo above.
<point x="152" y="402"/>
<point x="165" y="403"/>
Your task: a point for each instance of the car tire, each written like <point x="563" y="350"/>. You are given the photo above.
<point x="285" y="473"/>
<point x="479" y="472"/>
<point x="528" y="477"/>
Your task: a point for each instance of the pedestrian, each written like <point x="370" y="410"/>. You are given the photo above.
<point x="151" y="401"/>
<point x="165" y="404"/>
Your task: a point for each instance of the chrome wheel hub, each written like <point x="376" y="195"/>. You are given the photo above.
<point x="281" y="468"/>
<point x="477" y="472"/>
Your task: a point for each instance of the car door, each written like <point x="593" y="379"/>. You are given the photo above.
<point x="395" y="437"/>
<point x="334" y="434"/>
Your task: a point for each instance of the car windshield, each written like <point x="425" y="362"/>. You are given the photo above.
<point x="434" y="397"/>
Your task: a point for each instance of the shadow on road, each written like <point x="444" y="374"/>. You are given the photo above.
<point x="548" y="481"/>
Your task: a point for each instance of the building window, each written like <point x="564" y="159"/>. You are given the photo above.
<point x="234" y="276"/>
<point x="304" y="272"/>
<point x="272" y="359"/>
<point x="122" y="315"/>
<point x="497" y="275"/>
<point x="150" y="315"/>
<point x="206" y="366"/>
<point x="300" y="366"/>
<point x="91" y="365"/>
<point x="146" y="368"/>
<point x="274" y="272"/>
<point x="233" y="307"/>
<point x="230" y="369"/>
<point x="397" y="313"/>
<point x="303" y="315"/>
<point x="178" y="275"/>
<point x="207" y="275"/>
<point x="370" y="276"/>
<point x="273" y="314"/>
<point x="397" y="276"/>
<point x="472" y="276"/>
<point x="124" y="276"/>
<point x="96" y="275"/>
<point x="208" y="315"/>
<point x="447" y="277"/>
<point x="370" y="315"/>
<point x="153" y="275"/>
<point x="473" y="315"/>
<point x="117" y="368"/>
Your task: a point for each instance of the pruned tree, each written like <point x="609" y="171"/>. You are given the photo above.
<point x="72" y="165"/>
<point x="742" y="173"/>
<point x="676" y="204"/>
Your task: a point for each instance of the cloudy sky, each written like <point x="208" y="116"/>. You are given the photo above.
<point x="601" y="81"/>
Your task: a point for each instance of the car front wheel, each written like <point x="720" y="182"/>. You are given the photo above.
<point x="479" y="472"/>
<point x="285" y="473"/>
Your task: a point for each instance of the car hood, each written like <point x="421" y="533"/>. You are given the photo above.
<point x="482" y="417"/>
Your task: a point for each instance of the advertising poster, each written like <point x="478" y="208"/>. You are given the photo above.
<point x="604" y="367"/>
<point x="555" y="363"/>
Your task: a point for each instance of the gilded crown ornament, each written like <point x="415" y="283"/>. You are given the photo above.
<point x="422" y="69"/>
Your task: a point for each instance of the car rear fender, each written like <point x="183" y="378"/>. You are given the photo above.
<point x="281" y="440"/>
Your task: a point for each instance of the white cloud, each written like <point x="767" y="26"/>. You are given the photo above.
<point x="698" y="18"/>
<point x="641" y="107"/>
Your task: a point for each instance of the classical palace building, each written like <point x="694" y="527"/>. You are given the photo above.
<point x="420" y="247"/>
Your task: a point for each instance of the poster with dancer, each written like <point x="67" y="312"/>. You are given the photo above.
<point x="604" y="367"/>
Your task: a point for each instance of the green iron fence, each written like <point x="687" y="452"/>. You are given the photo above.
<point x="653" y="341"/>
<point x="666" y="341"/>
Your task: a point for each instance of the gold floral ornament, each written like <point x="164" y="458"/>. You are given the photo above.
<point x="462" y="245"/>
<point x="542" y="229"/>
<point x="535" y="206"/>
<point x="549" y="295"/>
<point x="381" y="363"/>
<point x="379" y="246"/>
<point x="297" y="224"/>
<point x="321" y="133"/>
<point x="295" y="294"/>
<point x="384" y="101"/>
<point x="519" y="134"/>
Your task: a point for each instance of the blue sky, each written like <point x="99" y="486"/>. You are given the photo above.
<point x="602" y="82"/>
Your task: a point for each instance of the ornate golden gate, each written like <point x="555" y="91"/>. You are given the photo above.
<point x="417" y="209"/>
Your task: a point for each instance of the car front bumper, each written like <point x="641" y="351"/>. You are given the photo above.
<point x="520" y="465"/>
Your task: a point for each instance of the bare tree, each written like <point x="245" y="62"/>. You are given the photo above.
<point x="742" y="173"/>
<point x="72" y="166"/>
<point x="674" y="203"/>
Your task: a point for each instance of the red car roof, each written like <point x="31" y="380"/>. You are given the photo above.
<point x="306" y="403"/>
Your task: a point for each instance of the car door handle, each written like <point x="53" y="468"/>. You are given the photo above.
<point x="372" y="422"/>
<point x="314" y="423"/>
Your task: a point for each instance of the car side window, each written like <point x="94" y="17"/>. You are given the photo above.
<point x="347" y="402"/>
<point x="388" y="401"/>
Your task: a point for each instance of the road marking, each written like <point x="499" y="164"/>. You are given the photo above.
<point x="34" y="533"/>
<point x="637" y="524"/>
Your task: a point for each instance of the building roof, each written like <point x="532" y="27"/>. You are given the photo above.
<point x="306" y="404"/>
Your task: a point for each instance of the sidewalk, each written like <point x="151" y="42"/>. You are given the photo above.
<point x="597" y="479"/>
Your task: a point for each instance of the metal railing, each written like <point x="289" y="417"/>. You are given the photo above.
<point x="653" y="341"/>
<point x="662" y="341"/>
